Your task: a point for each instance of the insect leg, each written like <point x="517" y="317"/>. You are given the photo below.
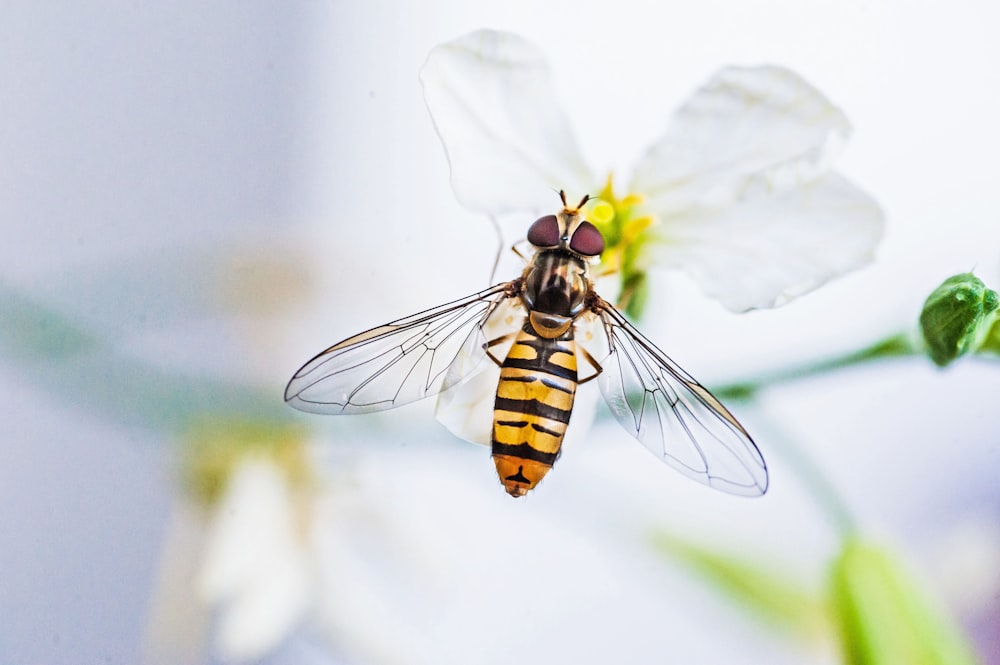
<point x="495" y="342"/>
<point x="514" y="248"/>
<point x="593" y="363"/>
<point x="607" y="271"/>
<point x="625" y="297"/>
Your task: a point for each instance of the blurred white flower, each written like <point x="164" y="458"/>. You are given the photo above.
<point x="738" y="192"/>
<point x="258" y="565"/>
<point x="284" y="537"/>
<point x="242" y="545"/>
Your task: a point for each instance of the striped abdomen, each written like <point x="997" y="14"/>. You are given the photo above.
<point x="532" y="409"/>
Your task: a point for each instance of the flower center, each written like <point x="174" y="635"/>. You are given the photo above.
<point x="625" y="226"/>
<point x="216" y="447"/>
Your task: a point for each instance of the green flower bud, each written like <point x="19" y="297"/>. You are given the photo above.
<point x="956" y="317"/>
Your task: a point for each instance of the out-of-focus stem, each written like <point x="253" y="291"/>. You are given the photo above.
<point x="894" y="346"/>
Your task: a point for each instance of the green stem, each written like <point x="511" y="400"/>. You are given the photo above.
<point x="894" y="346"/>
<point x="809" y="473"/>
<point x="818" y="486"/>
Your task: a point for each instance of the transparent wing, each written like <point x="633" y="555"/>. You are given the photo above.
<point x="399" y="362"/>
<point x="673" y="415"/>
<point x="467" y="411"/>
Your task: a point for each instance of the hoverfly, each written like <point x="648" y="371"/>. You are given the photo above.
<point x="552" y="302"/>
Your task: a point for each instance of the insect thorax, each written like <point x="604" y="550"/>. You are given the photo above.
<point x="556" y="283"/>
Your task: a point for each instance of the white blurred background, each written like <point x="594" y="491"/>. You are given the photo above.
<point x="214" y="192"/>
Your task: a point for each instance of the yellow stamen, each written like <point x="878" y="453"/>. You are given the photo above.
<point x="635" y="227"/>
<point x="602" y="213"/>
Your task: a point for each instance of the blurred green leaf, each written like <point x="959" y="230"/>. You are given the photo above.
<point x="37" y="333"/>
<point x="78" y="367"/>
<point x="760" y="587"/>
<point x="883" y="616"/>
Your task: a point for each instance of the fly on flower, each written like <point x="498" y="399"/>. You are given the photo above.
<point x="549" y="332"/>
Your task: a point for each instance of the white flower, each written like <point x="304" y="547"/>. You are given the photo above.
<point x="285" y="538"/>
<point x="257" y="566"/>
<point x="738" y="192"/>
<point x="239" y="574"/>
<point x="248" y="544"/>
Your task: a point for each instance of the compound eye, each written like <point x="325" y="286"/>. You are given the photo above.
<point x="544" y="232"/>
<point x="587" y="240"/>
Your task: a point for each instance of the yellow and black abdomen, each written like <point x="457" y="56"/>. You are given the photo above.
<point x="533" y="405"/>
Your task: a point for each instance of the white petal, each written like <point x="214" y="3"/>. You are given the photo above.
<point x="467" y="410"/>
<point x="177" y="622"/>
<point x="765" y="251"/>
<point x="253" y="625"/>
<point x="747" y="132"/>
<point x="254" y="567"/>
<point x="506" y="136"/>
